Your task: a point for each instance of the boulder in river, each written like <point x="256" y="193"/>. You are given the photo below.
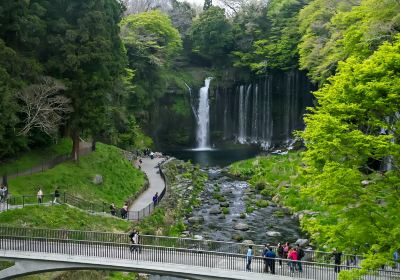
<point x="302" y="242"/>
<point x="273" y="233"/>
<point x="248" y="242"/>
<point x="198" y="237"/>
<point x="215" y="210"/>
<point x="241" y="226"/>
<point x="196" y="220"/>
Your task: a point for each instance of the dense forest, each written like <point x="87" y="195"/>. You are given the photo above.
<point x="94" y="69"/>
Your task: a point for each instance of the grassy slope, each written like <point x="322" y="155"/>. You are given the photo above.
<point x="121" y="179"/>
<point x="36" y="157"/>
<point x="274" y="175"/>
<point x="61" y="216"/>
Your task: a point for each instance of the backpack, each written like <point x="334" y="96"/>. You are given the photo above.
<point x="300" y="254"/>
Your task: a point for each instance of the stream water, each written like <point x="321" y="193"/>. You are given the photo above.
<point x="271" y="224"/>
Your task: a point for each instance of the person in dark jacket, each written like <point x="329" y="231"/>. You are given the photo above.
<point x="338" y="259"/>
<point x="280" y="253"/>
<point x="270" y="260"/>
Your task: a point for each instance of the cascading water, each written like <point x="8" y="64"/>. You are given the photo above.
<point x="265" y="111"/>
<point x="203" y="118"/>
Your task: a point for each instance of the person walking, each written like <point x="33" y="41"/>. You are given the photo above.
<point x="292" y="256"/>
<point x="337" y="256"/>
<point x="155" y="199"/>
<point x="396" y="259"/>
<point x="300" y="256"/>
<point x="249" y="257"/>
<point x="280" y="253"/>
<point x="2" y="199"/>
<point x="270" y="257"/>
<point x="133" y="237"/>
<point x="40" y="196"/>
<point x="124" y="211"/>
<point x="113" y="209"/>
<point x="56" y="196"/>
<point x="265" y="251"/>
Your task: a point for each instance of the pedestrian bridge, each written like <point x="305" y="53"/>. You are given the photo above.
<point x="43" y="250"/>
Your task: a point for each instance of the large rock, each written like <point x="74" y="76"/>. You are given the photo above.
<point x="97" y="179"/>
<point x="248" y="242"/>
<point x="198" y="237"/>
<point x="215" y="211"/>
<point x="241" y="226"/>
<point x="302" y="242"/>
<point x="196" y="220"/>
<point x="272" y="233"/>
<point x="224" y="204"/>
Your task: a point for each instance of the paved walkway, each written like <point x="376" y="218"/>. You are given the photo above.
<point x="156" y="184"/>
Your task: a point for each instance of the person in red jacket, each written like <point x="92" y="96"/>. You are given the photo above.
<point x="292" y="256"/>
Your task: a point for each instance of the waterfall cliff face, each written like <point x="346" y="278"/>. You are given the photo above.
<point x="265" y="111"/>
<point x="203" y="118"/>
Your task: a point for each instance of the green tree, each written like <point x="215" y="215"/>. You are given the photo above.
<point x="334" y="30"/>
<point x="82" y="46"/>
<point x="151" y="42"/>
<point x="275" y="46"/>
<point x="211" y="35"/>
<point x="353" y="130"/>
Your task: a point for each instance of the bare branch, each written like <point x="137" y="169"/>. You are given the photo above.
<point x="43" y="106"/>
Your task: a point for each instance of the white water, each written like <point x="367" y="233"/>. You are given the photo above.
<point x="203" y="120"/>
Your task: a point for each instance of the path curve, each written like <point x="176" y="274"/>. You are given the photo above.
<point x="156" y="184"/>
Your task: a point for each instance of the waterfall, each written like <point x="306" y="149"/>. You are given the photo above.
<point x="254" y="118"/>
<point x="242" y="129"/>
<point x="264" y="111"/>
<point x="203" y="120"/>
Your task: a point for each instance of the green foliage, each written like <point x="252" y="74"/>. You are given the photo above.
<point x="225" y="210"/>
<point x="61" y="217"/>
<point x="345" y="146"/>
<point x="250" y="209"/>
<point x="262" y="203"/>
<point x="274" y="46"/>
<point x="150" y="38"/>
<point x="107" y="161"/>
<point x="211" y="35"/>
<point x="333" y="31"/>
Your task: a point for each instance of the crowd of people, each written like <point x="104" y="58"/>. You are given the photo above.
<point x="290" y="255"/>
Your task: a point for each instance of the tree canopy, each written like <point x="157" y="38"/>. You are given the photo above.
<point x="350" y="136"/>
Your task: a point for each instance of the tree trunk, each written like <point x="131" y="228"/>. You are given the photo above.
<point x="75" y="146"/>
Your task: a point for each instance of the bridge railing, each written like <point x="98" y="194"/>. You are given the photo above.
<point x="162" y="241"/>
<point x="171" y="255"/>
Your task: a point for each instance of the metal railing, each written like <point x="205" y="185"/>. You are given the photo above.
<point x="51" y="242"/>
<point x="151" y="240"/>
<point x="146" y="211"/>
<point x="14" y="202"/>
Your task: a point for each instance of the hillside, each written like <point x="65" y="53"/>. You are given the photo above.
<point x="120" y="179"/>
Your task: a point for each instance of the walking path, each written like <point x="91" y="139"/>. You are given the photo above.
<point x="156" y="184"/>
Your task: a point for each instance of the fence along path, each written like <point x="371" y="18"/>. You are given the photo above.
<point x="141" y="207"/>
<point x="84" y="149"/>
<point x="115" y="246"/>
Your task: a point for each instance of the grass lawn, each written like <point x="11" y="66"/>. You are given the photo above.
<point x="62" y="217"/>
<point x="120" y="179"/>
<point x="36" y="157"/>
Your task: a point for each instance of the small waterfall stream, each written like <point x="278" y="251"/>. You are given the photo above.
<point x="203" y="118"/>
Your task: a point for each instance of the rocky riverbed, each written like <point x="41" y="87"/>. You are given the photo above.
<point x="223" y="214"/>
